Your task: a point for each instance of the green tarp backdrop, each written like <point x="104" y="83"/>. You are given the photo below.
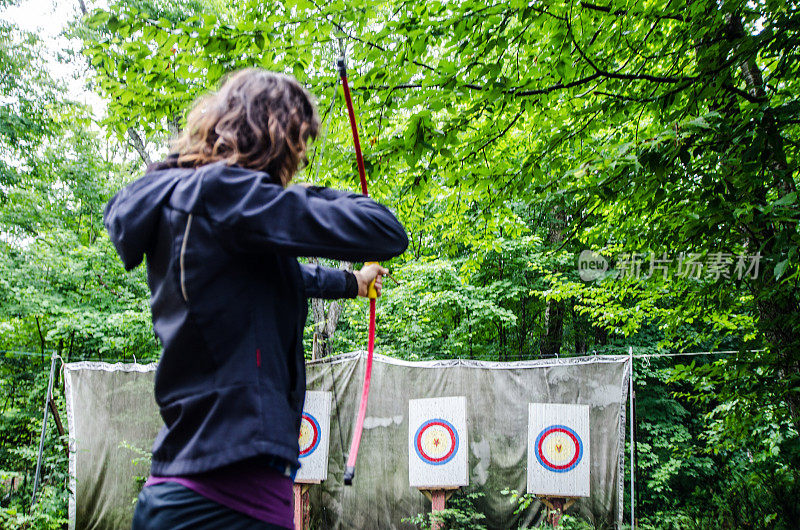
<point x="113" y="420"/>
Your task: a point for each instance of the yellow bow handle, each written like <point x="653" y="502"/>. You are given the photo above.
<point x="372" y="293"/>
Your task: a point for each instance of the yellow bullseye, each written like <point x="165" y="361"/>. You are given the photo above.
<point x="306" y="434"/>
<point x="436" y="441"/>
<point x="558" y="448"/>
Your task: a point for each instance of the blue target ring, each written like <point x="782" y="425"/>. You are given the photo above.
<point x="557" y="434"/>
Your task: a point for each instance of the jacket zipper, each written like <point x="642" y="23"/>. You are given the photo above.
<point x="183" y="251"/>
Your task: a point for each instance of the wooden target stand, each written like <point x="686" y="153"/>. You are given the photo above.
<point x="556" y="506"/>
<point x="314" y="441"/>
<point x="302" y="506"/>
<point x="438" y="498"/>
<point x="438" y="449"/>
<point x="558" y="456"/>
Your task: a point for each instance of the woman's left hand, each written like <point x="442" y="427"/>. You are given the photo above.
<point x="368" y="273"/>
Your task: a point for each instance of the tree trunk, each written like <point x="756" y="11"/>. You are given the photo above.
<point x="42" y="341"/>
<point x="138" y="144"/>
<point x="554" y="328"/>
<point x="326" y="319"/>
<point x="600" y="335"/>
<point x="554" y="310"/>
<point x="522" y="329"/>
<point x="579" y="328"/>
<point x="778" y="305"/>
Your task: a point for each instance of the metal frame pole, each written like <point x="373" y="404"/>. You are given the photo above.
<point x="44" y="426"/>
<point x="633" y="477"/>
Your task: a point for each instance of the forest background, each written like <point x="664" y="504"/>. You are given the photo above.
<point x="509" y="137"/>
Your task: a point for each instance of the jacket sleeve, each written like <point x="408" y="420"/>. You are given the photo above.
<point x="254" y="214"/>
<point x="328" y="283"/>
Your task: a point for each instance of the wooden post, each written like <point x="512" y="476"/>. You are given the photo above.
<point x="556" y="506"/>
<point x="60" y="426"/>
<point x="306" y="507"/>
<point x="44" y="425"/>
<point x="298" y="506"/>
<point x="302" y="506"/>
<point x="437" y="505"/>
<point x="438" y="498"/>
<point x="555" y="513"/>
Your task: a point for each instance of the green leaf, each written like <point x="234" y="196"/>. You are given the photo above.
<point x="786" y="200"/>
<point x="780" y="268"/>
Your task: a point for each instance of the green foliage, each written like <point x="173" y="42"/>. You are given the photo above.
<point x="485" y="304"/>
<point x="62" y="287"/>
<point x="434" y="313"/>
<point x="26" y="110"/>
<point x="24" y="382"/>
<point x="566" y="522"/>
<point x="569" y="522"/>
<point x="460" y="514"/>
<point x="50" y="513"/>
<point x="750" y="437"/>
<point x="508" y="137"/>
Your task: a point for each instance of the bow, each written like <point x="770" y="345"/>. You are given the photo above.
<point x="350" y="466"/>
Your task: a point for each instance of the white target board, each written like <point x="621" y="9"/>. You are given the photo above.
<point x="437" y="442"/>
<point x="558" y="450"/>
<point x="314" y="438"/>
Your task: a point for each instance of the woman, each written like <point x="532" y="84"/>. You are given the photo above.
<point x="221" y="230"/>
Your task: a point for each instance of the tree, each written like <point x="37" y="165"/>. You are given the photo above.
<point x="658" y="133"/>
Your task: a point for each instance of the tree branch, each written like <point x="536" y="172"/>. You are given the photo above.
<point x="623" y="12"/>
<point x="368" y="43"/>
<point x="104" y="284"/>
<point x="627" y="77"/>
<point x="511" y="91"/>
<point x="137" y="143"/>
<point x="495" y="137"/>
<point x="557" y="86"/>
<point x="752" y="98"/>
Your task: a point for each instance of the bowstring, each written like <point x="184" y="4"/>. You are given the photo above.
<point x="318" y="163"/>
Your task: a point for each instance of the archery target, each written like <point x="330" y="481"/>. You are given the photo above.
<point x="437" y="437"/>
<point x="314" y="438"/>
<point x="558" y="449"/>
<point x="436" y="442"/>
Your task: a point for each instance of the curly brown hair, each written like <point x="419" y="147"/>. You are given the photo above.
<point x="258" y="119"/>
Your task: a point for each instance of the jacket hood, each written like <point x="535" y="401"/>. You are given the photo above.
<point x="132" y="215"/>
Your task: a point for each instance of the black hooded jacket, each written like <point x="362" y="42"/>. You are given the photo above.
<point x="228" y="299"/>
